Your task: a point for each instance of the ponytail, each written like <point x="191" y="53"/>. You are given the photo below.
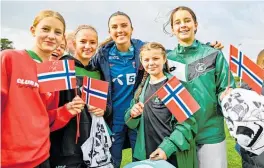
<point x="140" y="87"/>
<point x="109" y="39"/>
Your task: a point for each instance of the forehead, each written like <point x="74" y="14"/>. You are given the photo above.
<point x="51" y="22"/>
<point x="119" y="20"/>
<point x="152" y="53"/>
<point x="181" y="14"/>
<point x="86" y="34"/>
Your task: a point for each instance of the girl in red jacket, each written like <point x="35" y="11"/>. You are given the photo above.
<point x="26" y="114"/>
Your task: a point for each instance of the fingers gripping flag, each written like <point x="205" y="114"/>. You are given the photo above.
<point x="246" y="69"/>
<point x="94" y="92"/>
<point x="177" y="99"/>
<point x="56" y="75"/>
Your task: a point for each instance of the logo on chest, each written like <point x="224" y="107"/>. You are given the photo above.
<point x="114" y="57"/>
<point x="27" y="83"/>
<point x="200" y="67"/>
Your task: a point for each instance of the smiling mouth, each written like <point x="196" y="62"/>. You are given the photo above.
<point x="55" y="55"/>
<point x="87" y="52"/>
<point x="121" y="36"/>
<point x="184" y="31"/>
<point x="49" y="43"/>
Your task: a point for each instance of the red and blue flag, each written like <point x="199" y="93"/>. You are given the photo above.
<point x="246" y="69"/>
<point x="94" y="92"/>
<point x="56" y="75"/>
<point x="177" y="99"/>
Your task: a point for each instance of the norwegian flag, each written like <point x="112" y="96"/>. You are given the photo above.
<point x="56" y="75"/>
<point x="246" y="69"/>
<point x="178" y="100"/>
<point x="94" y="92"/>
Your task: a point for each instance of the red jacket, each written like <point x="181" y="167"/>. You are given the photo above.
<point x="26" y="115"/>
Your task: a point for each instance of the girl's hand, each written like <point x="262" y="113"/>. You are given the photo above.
<point x="137" y="110"/>
<point x="158" y="154"/>
<point x="225" y="93"/>
<point x="75" y="106"/>
<point x="217" y="45"/>
<point x="96" y="111"/>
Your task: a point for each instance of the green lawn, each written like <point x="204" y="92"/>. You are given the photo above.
<point x="234" y="160"/>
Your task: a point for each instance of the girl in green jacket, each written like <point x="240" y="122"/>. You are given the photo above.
<point x="204" y="73"/>
<point x="160" y="136"/>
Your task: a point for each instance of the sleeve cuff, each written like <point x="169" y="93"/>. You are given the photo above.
<point x="66" y="115"/>
<point x="168" y="147"/>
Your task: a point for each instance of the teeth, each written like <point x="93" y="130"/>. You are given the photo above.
<point x="184" y="31"/>
<point x="54" y="54"/>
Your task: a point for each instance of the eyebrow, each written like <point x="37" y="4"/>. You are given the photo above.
<point x="124" y="23"/>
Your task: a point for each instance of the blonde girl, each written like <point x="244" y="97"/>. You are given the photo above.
<point x="26" y="115"/>
<point x="160" y="136"/>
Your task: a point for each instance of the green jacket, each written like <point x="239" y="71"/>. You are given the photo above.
<point x="204" y="72"/>
<point x="180" y="141"/>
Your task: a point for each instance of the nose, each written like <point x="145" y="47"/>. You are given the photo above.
<point x="51" y="35"/>
<point x="182" y="24"/>
<point x="87" y="45"/>
<point x="58" y="49"/>
<point x="119" y="29"/>
<point x="151" y="62"/>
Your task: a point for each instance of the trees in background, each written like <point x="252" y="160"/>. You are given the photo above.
<point x="6" y="44"/>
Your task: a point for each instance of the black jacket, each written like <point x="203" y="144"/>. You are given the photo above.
<point x="63" y="141"/>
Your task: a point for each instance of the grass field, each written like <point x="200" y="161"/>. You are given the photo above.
<point x="234" y="160"/>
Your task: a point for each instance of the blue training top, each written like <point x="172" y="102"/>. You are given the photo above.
<point x="123" y="75"/>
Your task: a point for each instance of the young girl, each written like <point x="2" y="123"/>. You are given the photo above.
<point x="159" y="134"/>
<point x="204" y="72"/>
<point x="25" y="113"/>
<point x="64" y="150"/>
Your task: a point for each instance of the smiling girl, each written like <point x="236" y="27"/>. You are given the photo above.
<point x="118" y="61"/>
<point x="26" y="114"/>
<point x="58" y="53"/>
<point x="64" y="150"/>
<point x="206" y="78"/>
<point x="160" y="136"/>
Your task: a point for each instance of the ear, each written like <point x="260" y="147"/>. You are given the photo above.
<point x="74" y="44"/>
<point x="172" y="31"/>
<point x="196" y="26"/>
<point x="33" y="30"/>
<point x="164" y="60"/>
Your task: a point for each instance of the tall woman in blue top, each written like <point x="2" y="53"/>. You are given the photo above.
<point x="118" y="61"/>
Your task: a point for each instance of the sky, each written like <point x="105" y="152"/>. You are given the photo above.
<point x="240" y="23"/>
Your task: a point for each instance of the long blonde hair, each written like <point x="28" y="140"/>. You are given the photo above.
<point x="147" y="47"/>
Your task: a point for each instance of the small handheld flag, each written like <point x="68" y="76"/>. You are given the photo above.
<point x="94" y="92"/>
<point x="246" y="69"/>
<point x="56" y="75"/>
<point x="178" y="100"/>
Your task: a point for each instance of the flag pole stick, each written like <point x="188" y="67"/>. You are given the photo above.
<point x="239" y="50"/>
<point x="77" y="120"/>
<point x="229" y="69"/>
